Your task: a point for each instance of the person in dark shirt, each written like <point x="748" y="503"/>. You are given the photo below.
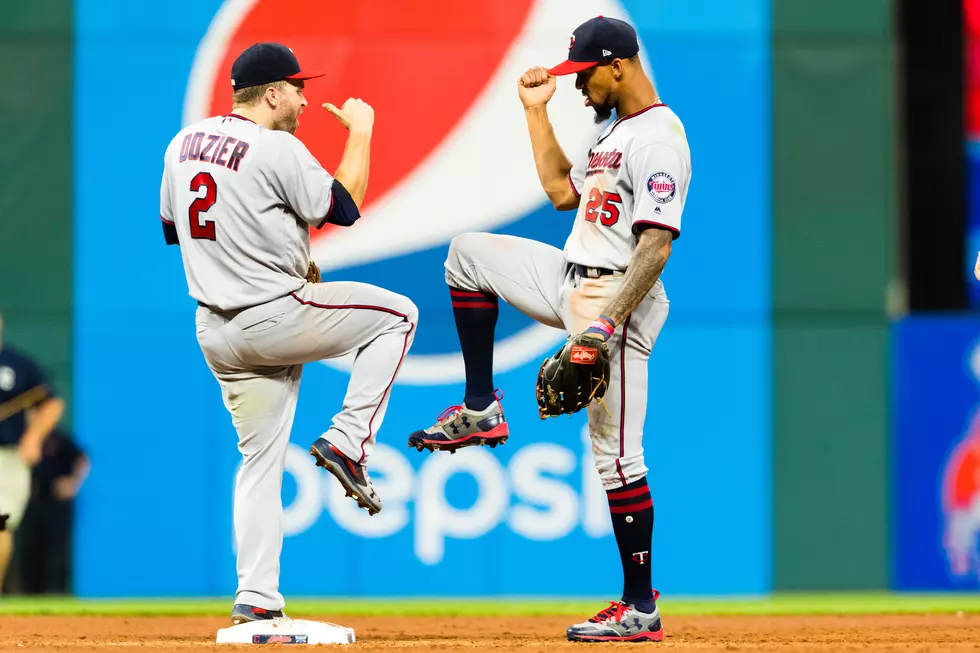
<point x="44" y="538"/>
<point x="28" y="413"/>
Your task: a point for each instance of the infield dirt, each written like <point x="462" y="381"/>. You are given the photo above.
<point x="378" y="632"/>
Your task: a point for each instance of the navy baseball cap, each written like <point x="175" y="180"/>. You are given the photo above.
<point x="263" y="63"/>
<point x="598" y="41"/>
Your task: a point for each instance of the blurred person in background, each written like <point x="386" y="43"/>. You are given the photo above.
<point x="44" y="537"/>
<point x="28" y="413"/>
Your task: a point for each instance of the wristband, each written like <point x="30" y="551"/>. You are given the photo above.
<point x="603" y="326"/>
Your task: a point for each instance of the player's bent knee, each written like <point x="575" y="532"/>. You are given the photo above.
<point x="405" y="306"/>
<point x="412" y="311"/>
<point x="462" y="244"/>
<point x="464" y="249"/>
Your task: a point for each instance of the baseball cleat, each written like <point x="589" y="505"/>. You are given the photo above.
<point x="458" y="427"/>
<point x="352" y="476"/>
<point x="620" y="622"/>
<point x="242" y="613"/>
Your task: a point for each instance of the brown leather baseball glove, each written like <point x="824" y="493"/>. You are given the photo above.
<point x="313" y="273"/>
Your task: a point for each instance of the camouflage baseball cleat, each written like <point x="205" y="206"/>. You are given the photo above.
<point x="620" y="622"/>
<point x="242" y="613"/>
<point x="459" y="427"/>
<point x="352" y="476"/>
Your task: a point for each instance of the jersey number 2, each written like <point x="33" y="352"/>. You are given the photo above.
<point x="603" y="206"/>
<point x="205" y="229"/>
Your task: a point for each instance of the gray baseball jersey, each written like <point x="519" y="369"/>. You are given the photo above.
<point x="637" y="172"/>
<point x="242" y="198"/>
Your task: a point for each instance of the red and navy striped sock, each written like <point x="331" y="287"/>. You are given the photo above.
<point x="476" y="319"/>
<point x="632" y="515"/>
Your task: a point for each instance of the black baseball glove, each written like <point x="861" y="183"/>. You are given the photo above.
<point x="576" y="375"/>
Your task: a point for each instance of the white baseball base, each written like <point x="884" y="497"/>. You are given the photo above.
<point x="286" y="631"/>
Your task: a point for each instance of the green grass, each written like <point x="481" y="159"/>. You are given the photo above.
<point x="851" y="603"/>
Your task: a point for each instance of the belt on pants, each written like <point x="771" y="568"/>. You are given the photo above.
<point x="594" y="273"/>
<point x="225" y="314"/>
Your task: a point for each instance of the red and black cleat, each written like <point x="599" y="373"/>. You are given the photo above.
<point x="352" y="476"/>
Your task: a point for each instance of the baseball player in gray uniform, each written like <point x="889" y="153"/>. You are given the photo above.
<point x="239" y="195"/>
<point x="629" y="192"/>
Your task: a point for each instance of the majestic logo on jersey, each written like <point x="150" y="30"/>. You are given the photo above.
<point x="426" y="167"/>
<point x="602" y="161"/>
<point x="662" y="187"/>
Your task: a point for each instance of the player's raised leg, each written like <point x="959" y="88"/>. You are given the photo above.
<point x="345" y="448"/>
<point x="331" y="320"/>
<point x="481" y="269"/>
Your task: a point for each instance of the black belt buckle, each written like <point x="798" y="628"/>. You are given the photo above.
<point x="593" y="272"/>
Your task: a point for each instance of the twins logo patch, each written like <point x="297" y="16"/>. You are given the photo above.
<point x="662" y="187"/>
<point x="583" y="355"/>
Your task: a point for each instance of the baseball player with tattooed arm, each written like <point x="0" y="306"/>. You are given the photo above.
<point x="239" y="195"/>
<point x="628" y="192"/>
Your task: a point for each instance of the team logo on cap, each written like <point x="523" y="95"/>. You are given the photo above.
<point x="571" y="41"/>
<point x="661" y="186"/>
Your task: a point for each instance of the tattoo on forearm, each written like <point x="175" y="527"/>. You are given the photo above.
<point x="649" y="259"/>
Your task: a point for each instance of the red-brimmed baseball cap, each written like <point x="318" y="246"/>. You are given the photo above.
<point x="264" y="63"/>
<point x="598" y="41"/>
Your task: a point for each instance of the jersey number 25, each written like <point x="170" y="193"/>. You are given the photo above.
<point x="205" y="229"/>
<point x="603" y="206"/>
